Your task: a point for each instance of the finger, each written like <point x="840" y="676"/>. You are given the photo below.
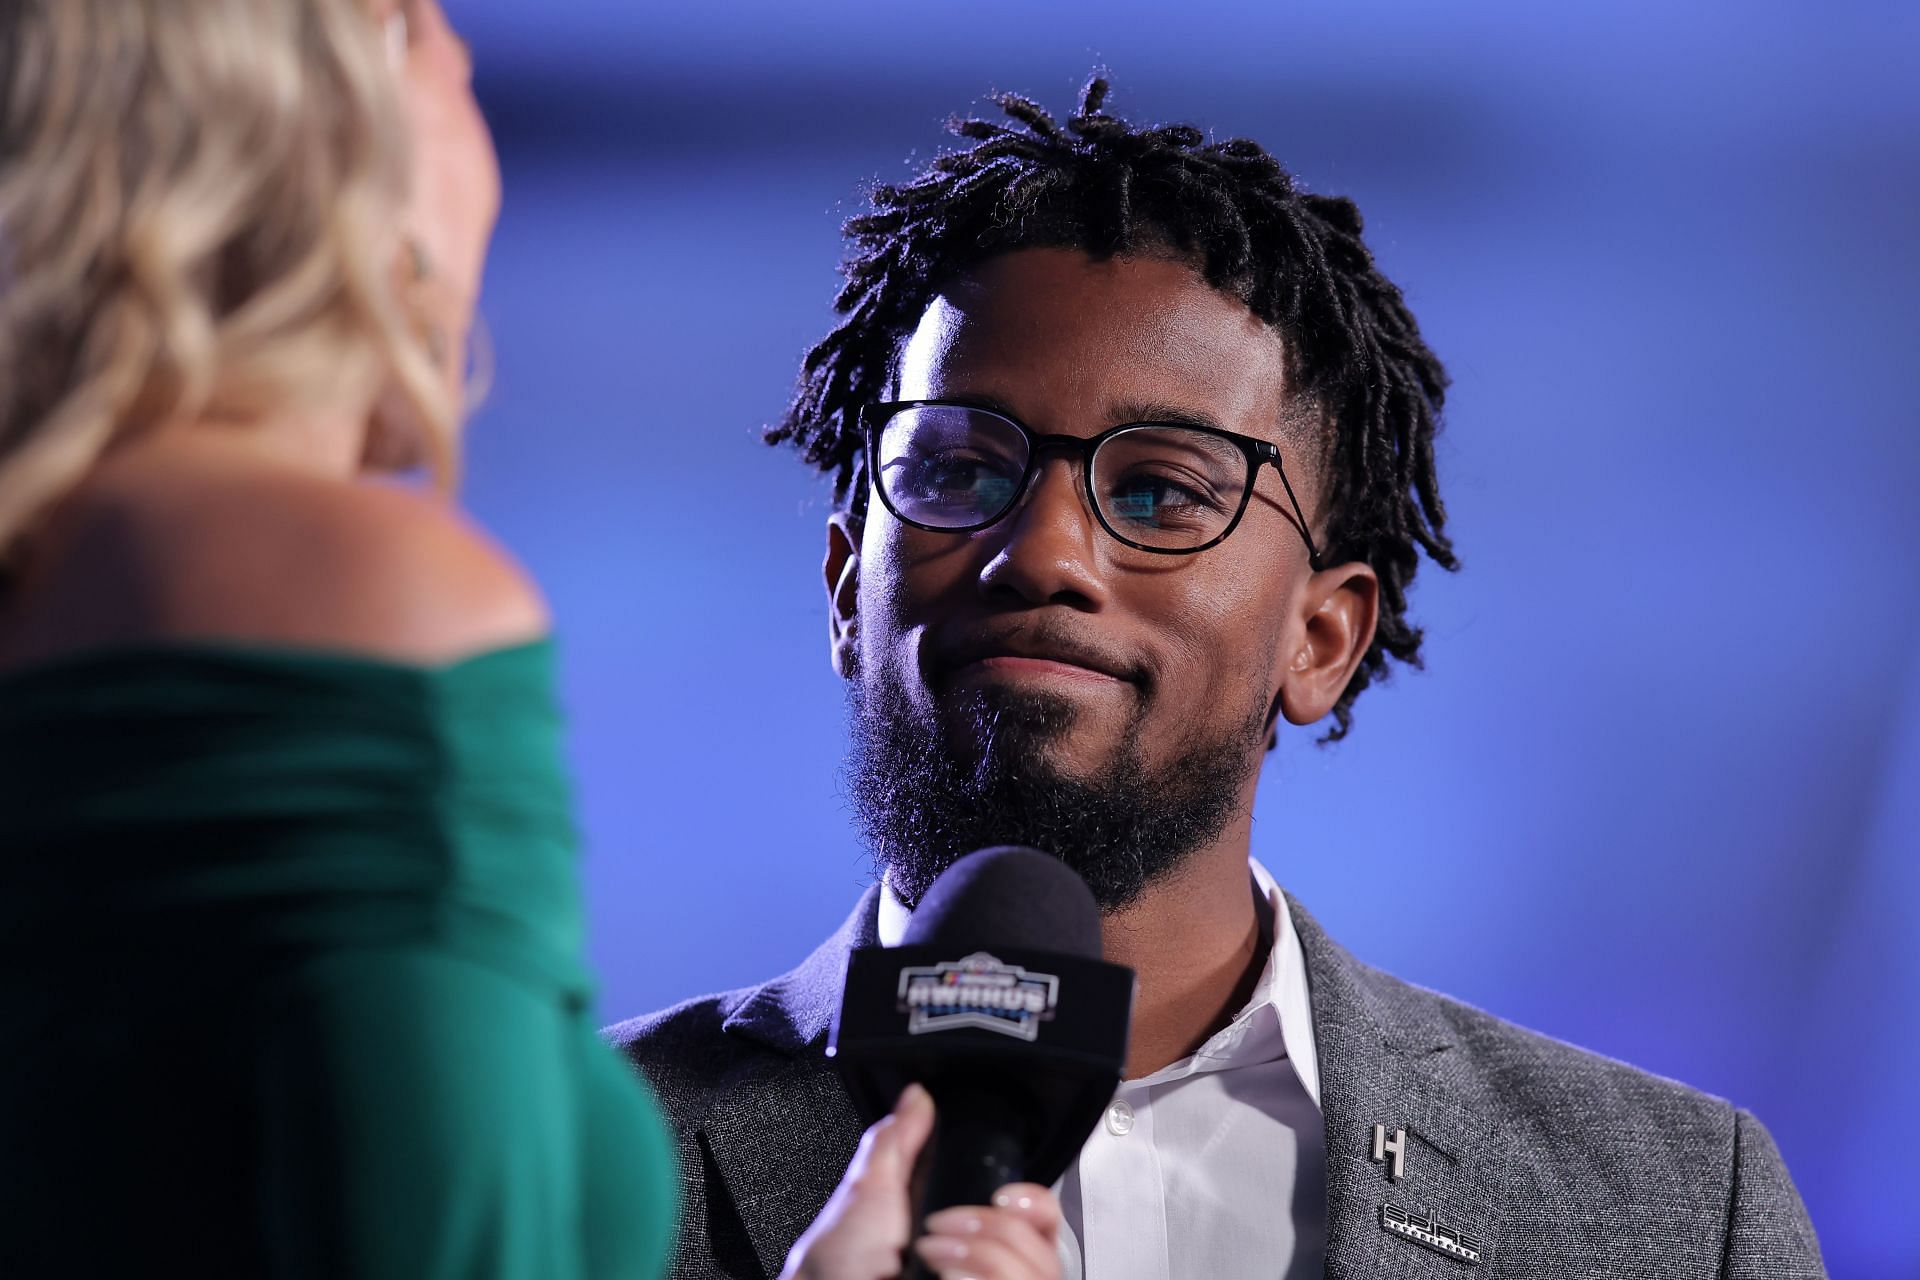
<point x="884" y="1161"/>
<point x="982" y="1257"/>
<point x="1002" y="1227"/>
<point x="898" y="1136"/>
<point x="868" y="1221"/>
<point x="1034" y="1203"/>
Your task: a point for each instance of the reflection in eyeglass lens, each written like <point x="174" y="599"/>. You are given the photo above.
<point x="950" y="467"/>
<point x="1169" y="486"/>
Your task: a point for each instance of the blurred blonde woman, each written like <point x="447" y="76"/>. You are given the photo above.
<point x="290" y="977"/>
<point x="292" y="980"/>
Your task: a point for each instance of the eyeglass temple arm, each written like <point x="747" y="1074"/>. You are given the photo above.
<point x="1272" y="453"/>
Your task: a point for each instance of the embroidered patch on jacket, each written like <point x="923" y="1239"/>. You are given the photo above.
<point x="1425" y="1229"/>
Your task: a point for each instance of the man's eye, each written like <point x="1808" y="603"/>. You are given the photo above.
<point x="954" y="475"/>
<point x="1158" y="500"/>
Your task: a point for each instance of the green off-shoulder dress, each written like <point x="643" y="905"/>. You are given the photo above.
<point x="291" y="980"/>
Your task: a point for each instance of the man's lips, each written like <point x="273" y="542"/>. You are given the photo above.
<point x="1030" y="653"/>
<point x="1014" y="666"/>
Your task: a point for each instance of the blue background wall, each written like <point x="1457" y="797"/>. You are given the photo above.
<point x="1658" y="792"/>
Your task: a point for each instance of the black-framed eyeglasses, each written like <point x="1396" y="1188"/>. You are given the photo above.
<point x="1168" y="488"/>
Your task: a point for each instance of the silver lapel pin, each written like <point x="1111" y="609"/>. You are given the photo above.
<point x="1427" y="1229"/>
<point x="1396" y="1147"/>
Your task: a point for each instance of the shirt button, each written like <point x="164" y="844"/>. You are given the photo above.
<point x="1119" y="1119"/>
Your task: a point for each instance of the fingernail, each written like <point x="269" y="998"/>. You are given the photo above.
<point x="959" y="1222"/>
<point x="911" y="1096"/>
<point x="938" y="1250"/>
<point x="1012" y="1199"/>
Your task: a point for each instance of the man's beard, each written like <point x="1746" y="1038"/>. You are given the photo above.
<point x="922" y="807"/>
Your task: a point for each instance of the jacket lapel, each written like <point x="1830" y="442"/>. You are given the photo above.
<point x="781" y="1135"/>
<point x="1389" y="1059"/>
<point x="783" y="1132"/>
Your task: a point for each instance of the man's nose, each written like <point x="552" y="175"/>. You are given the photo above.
<point x="1049" y="544"/>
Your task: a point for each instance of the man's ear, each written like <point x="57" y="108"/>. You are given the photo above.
<point x="842" y="570"/>
<point x="1331" y="631"/>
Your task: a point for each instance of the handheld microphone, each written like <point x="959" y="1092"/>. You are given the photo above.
<point x="999" y="1003"/>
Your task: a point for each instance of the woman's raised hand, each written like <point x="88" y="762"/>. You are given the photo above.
<point x="867" y="1227"/>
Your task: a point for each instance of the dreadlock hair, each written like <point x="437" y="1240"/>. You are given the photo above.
<point x="1106" y="188"/>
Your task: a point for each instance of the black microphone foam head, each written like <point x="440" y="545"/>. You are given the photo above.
<point x="1009" y="896"/>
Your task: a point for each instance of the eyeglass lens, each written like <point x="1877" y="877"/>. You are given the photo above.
<point x="1169" y="487"/>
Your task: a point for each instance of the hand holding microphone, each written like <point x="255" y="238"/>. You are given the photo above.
<point x="997" y="1006"/>
<point x="866" y="1229"/>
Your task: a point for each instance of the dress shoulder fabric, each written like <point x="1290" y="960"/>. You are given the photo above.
<point x="291" y="978"/>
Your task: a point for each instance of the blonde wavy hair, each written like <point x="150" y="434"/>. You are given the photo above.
<point x="200" y="209"/>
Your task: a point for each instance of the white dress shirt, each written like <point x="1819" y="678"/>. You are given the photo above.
<point x="1213" y="1166"/>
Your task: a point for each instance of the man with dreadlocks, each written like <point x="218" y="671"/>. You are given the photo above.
<point x="1132" y="447"/>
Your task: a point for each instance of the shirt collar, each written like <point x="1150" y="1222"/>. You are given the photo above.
<point x="894" y="915"/>
<point x="1284" y="985"/>
<point x="1280" y="994"/>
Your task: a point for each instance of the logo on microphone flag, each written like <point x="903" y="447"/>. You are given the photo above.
<point x="977" y="991"/>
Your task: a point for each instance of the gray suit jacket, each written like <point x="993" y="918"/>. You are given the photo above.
<point x="1553" y="1161"/>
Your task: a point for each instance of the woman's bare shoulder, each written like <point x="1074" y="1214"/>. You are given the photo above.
<point x="241" y="550"/>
